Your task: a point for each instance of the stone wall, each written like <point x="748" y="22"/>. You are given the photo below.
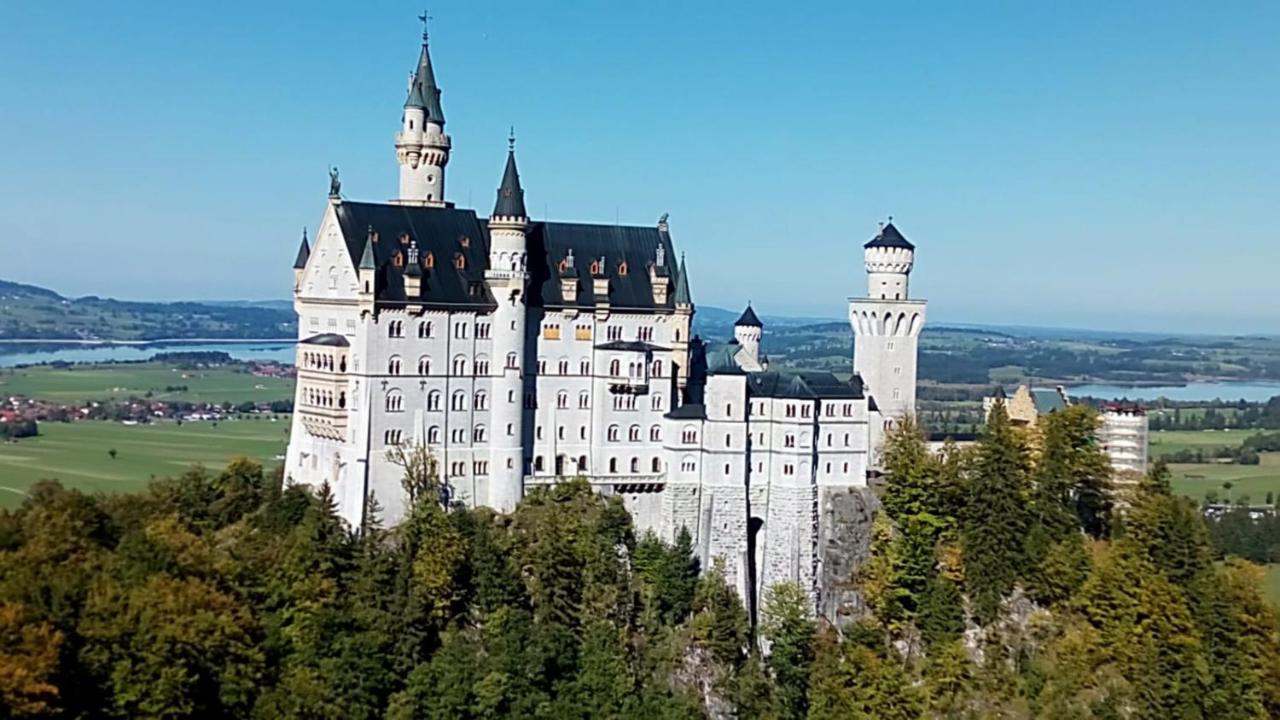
<point x="844" y="544"/>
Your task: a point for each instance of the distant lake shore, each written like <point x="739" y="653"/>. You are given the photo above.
<point x="18" y="353"/>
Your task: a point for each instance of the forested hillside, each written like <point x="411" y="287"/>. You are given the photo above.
<point x="28" y="312"/>
<point x="1001" y="584"/>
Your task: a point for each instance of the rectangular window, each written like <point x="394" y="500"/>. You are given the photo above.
<point x="582" y="332"/>
<point x="550" y="332"/>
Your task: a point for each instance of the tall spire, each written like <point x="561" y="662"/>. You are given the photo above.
<point x="304" y="252"/>
<point x="366" y="258"/>
<point x="682" y="285"/>
<point x="423" y="91"/>
<point x="510" y="194"/>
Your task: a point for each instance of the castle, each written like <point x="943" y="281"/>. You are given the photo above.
<point x="523" y="352"/>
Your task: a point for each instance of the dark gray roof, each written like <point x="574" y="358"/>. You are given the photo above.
<point x="329" y="339"/>
<point x="627" y="252"/>
<point x="423" y="92"/>
<point x="304" y="252"/>
<point x="682" y="286"/>
<point x="510" y="194"/>
<point x="1047" y="400"/>
<point x="631" y="346"/>
<point x="749" y="318"/>
<point x="803" y="384"/>
<point x="890" y="237"/>
<point x="444" y="234"/>
<point x="722" y="358"/>
<point x="689" y="411"/>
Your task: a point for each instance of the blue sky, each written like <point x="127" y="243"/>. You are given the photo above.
<point x="1107" y="165"/>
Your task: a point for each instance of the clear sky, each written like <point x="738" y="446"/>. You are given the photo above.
<point x="1086" y="164"/>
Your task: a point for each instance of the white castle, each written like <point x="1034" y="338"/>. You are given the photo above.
<point x="525" y="352"/>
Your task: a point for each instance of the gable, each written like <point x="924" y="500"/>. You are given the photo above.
<point x="330" y="273"/>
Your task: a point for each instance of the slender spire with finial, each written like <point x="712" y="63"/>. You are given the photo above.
<point x="682" y="285"/>
<point x="304" y="252"/>
<point x="367" y="261"/>
<point x="423" y="91"/>
<point x="510" y="194"/>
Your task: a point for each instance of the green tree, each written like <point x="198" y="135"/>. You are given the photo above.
<point x="789" y="631"/>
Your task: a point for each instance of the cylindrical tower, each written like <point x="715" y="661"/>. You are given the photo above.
<point x="507" y="279"/>
<point x="422" y="148"/>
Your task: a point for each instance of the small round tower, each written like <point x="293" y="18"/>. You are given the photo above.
<point x="888" y="257"/>
<point x="747" y="331"/>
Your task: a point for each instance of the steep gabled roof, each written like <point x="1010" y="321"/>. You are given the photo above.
<point x="626" y="251"/>
<point x="803" y="384"/>
<point x="890" y="237"/>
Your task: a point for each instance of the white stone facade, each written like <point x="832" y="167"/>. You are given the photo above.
<point x="540" y="366"/>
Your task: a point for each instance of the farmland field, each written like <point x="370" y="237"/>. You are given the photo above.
<point x="1164" y="442"/>
<point x="77" y="453"/>
<point x="78" y="383"/>
<point x="1252" y="480"/>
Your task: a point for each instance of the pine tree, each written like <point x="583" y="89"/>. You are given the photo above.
<point x="995" y="521"/>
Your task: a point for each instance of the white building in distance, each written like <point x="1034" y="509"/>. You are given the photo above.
<point x="524" y="352"/>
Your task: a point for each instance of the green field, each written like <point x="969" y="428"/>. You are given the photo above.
<point x="1252" y="480"/>
<point x="119" y="381"/>
<point x="76" y="453"/>
<point x="1164" y="442"/>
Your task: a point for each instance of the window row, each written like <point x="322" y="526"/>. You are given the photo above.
<point x="426" y="329"/>
<point x="434" y="434"/>
<point x="321" y="361"/>
<point x="569" y="466"/>
<point x="480" y="367"/>
<point x="457" y="401"/>
<point x="324" y="398"/>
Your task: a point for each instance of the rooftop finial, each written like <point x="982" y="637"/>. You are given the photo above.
<point x="423" y="18"/>
<point x="890" y="218"/>
<point x="511" y="139"/>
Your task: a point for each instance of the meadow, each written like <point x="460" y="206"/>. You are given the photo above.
<point x="78" y="453"/>
<point x="79" y="383"/>
<point x="1164" y="442"/>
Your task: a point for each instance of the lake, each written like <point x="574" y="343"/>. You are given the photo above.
<point x="12" y="354"/>
<point x="1228" y="391"/>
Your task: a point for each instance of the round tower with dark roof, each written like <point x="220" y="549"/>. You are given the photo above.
<point x="886" y="327"/>
<point x="747" y="331"/>
<point x="422" y="148"/>
<point x="508" y="278"/>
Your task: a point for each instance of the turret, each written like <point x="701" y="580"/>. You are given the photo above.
<point x="422" y="148"/>
<point x="368" y="271"/>
<point x="507" y="278"/>
<point x="747" y="331"/>
<point x="300" y="263"/>
<point x="888" y="258"/>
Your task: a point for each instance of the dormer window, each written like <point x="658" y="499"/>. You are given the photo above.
<point x="404" y="238"/>
<point x="622" y="268"/>
<point x="398" y="259"/>
<point x="430" y="260"/>
<point x="596" y="267"/>
<point x="460" y="261"/>
<point x="464" y="241"/>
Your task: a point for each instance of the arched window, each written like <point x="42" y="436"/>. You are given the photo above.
<point x="459" y="401"/>
<point x="393" y="365"/>
<point x="656" y="402"/>
<point x="477" y="435"/>
<point x="395" y="401"/>
<point x="582" y="463"/>
<point x="633" y="433"/>
<point x="433" y="400"/>
<point x="424" y="365"/>
<point x="562" y="399"/>
<point x="564" y="366"/>
<point x="657" y="368"/>
<point x="482" y="400"/>
<point x="688" y="464"/>
<point x="635" y="465"/>
<point x="689" y="435"/>
<point x="460" y="365"/>
<point x="584" y="367"/>
<point x="657" y="465"/>
<point x="424" y="329"/>
<point x="613" y="433"/>
<point x="537" y="464"/>
<point x="655" y="433"/>
<point x="513" y="361"/>
<point x="482" y="366"/>
<point x="433" y="435"/>
<point x="584" y="400"/>
<point x="615" y="367"/>
<point x="613" y="465"/>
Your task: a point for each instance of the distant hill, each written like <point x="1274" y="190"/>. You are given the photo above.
<point x="28" y="312"/>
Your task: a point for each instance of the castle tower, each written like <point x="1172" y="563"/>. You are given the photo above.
<point x="422" y="148"/>
<point x="507" y="279"/>
<point x="886" y="325"/>
<point x="747" y="331"/>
